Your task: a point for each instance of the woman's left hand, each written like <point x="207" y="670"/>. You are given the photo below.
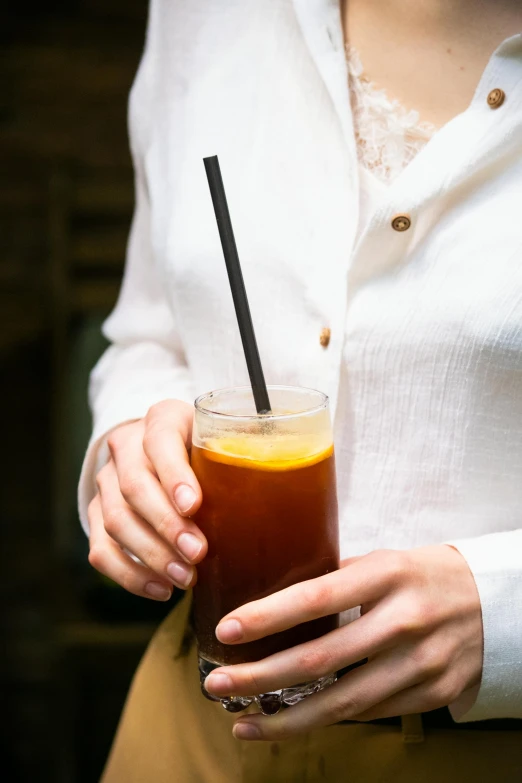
<point x="420" y="628"/>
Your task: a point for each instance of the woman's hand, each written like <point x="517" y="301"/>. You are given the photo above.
<point x="145" y="493"/>
<point x="420" y="628"/>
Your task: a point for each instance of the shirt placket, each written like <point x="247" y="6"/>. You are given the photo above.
<point x="415" y="201"/>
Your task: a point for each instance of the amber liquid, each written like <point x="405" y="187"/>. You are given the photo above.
<point x="268" y="526"/>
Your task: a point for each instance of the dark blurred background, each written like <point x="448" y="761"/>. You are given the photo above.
<point x="70" y="639"/>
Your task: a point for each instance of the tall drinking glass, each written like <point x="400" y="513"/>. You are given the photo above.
<point x="269" y="513"/>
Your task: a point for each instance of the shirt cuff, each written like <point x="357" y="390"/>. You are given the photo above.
<point x="495" y="561"/>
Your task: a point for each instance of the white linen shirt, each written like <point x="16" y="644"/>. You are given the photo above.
<point x="424" y="364"/>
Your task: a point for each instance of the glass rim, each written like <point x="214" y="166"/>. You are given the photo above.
<point x="322" y="405"/>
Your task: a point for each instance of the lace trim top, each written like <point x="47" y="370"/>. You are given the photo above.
<point x="388" y="136"/>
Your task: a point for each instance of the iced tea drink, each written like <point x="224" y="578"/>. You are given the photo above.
<point x="269" y="513"/>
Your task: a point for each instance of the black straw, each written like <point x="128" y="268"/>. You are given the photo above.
<point x="237" y="285"/>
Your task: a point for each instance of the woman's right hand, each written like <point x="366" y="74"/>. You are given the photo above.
<point x="146" y="493"/>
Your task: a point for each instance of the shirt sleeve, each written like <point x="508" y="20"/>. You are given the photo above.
<point x="495" y="561"/>
<point x="145" y="362"/>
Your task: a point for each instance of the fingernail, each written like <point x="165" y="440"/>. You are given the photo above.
<point x="229" y="631"/>
<point x="246" y="731"/>
<point x="184" y="497"/>
<point x="219" y="683"/>
<point x="189" y="545"/>
<point x="157" y="590"/>
<point x="180" y="573"/>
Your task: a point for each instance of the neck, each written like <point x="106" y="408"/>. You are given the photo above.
<point x="429" y="54"/>
<point x="440" y="18"/>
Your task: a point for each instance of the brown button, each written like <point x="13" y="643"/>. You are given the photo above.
<point x="496" y="98"/>
<point x="324" y="337"/>
<point x="401" y="222"/>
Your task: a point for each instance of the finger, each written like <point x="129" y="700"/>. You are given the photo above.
<point x="132" y="533"/>
<point x="107" y="558"/>
<point x="365" y="580"/>
<point x="168" y="432"/>
<point x="350" y="561"/>
<point x="143" y="492"/>
<point x="364" y="637"/>
<point x="351" y="696"/>
<point x="424" y="697"/>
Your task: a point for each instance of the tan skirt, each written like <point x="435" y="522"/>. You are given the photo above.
<point x="169" y="733"/>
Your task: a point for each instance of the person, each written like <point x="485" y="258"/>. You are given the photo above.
<point x="372" y="155"/>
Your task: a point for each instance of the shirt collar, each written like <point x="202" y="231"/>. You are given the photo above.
<point x="321" y="26"/>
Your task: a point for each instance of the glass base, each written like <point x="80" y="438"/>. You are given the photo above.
<point x="269" y="703"/>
